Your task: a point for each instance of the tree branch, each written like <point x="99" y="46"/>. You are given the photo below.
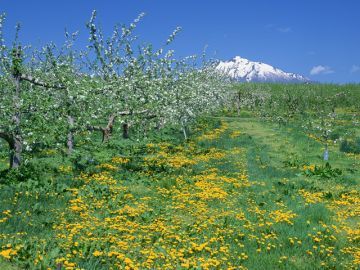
<point x="7" y="137"/>
<point x="38" y="82"/>
<point x="123" y="113"/>
<point x="94" y="128"/>
<point x="112" y="118"/>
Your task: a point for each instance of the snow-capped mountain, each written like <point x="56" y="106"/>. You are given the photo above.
<point x="242" y="69"/>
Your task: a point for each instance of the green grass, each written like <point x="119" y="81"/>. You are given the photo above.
<point x="7" y="266"/>
<point x="170" y="198"/>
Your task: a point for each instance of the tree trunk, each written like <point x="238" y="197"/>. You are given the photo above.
<point x="160" y="124"/>
<point x="15" y="139"/>
<point x="15" y="152"/>
<point x="70" y="136"/>
<point x="238" y="104"/>
<point x="15" y="148"/>
<point x="125" y="127"/>
<point x="107" y="131"/>
<point x="184" y="130"/>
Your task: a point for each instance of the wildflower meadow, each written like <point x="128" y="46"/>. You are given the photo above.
<point x="119" y="155"/>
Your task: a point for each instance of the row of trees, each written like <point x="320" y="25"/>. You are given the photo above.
<point x="49" y="95"/>
<point x="314" y="106"/>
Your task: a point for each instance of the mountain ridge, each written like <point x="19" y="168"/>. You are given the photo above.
<point x="242" y="69"/>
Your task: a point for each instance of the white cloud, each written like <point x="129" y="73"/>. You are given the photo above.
<point x="281" y="29"/>
<point x="321" y="70"/>
<point x="354" y="69"/>
<point x="284" y="29"/>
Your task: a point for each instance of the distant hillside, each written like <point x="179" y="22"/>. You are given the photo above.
<point x="242" y="69"/>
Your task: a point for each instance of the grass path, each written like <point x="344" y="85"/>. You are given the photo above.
<point x="222" y="201"/>
<point x="334" y="201"/>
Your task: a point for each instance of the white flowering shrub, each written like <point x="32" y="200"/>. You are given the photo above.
<point x="49" y="95"/>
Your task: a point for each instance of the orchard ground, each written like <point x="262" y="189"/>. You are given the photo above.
<point x="240" y="194"/>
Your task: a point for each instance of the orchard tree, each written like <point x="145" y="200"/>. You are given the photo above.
<point x="146" y="86"/>
<point x="51" y="94"/>
<point x="23" y="99"/>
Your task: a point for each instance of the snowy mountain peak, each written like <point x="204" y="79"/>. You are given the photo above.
<point x="242" y="69"/>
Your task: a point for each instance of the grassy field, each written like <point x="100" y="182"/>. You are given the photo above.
<point x="242" y="195"/>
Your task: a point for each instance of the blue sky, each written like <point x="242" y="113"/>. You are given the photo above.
<point x="316" y="38"/>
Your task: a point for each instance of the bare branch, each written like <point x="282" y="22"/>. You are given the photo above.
<point x="38" y="82"/>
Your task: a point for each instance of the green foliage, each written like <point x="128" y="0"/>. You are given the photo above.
<point x="37" y="169"/>
<point x="17" y="61"/>
<point x="350" y="146"/>
<point x="323" y="171"/>
<point x="294" y="161"/>
<point x="7" y="266"/>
